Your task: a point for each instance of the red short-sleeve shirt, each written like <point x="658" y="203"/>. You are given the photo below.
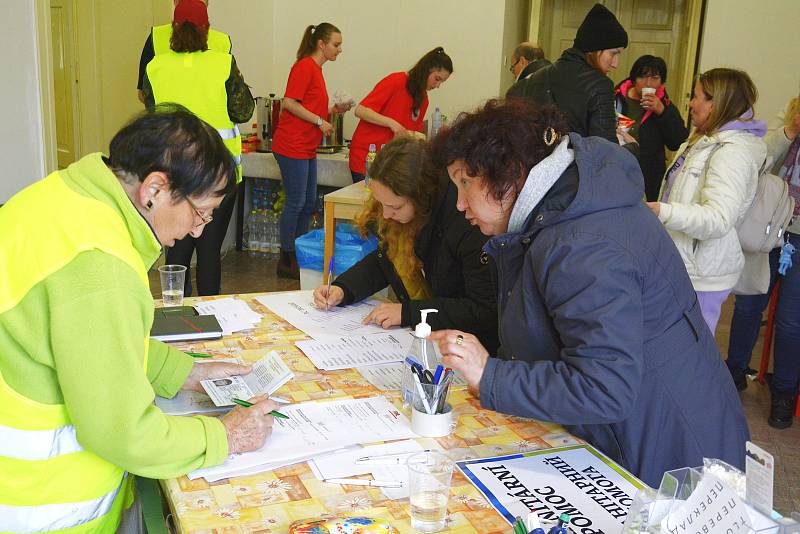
<point x="294" y="137"/>
<point x="391" y="99"/>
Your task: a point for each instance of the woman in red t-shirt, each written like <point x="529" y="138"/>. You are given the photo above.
<point x="396" y="106"/>
<point x="302" y="123"/>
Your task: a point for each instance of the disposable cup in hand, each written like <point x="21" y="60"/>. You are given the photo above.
<point x="648" y="91"/>
<point x="172" y="280"/>
<point x="429" y="475"/>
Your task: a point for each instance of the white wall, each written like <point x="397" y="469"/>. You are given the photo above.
<point x="21" y="151"/>
<point x="379" y="37"/>
<point x="515" y="30"/>
<point x="762" y="39"/>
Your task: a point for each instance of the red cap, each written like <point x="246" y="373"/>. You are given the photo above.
<point x="193" y="11"/>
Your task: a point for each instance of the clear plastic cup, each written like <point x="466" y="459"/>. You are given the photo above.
<point x="172" y="281"/>
<point x="429" y="475"/>
<point x="648" y="91"/>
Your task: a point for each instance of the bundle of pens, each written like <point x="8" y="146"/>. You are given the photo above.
<point x="431" y="388"/>
<point x="532" y="525"/>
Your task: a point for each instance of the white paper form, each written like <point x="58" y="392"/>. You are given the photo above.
<point x="298" y="308"/>
<point x="348" y="352"/>
<point x="268" y="374"/>
<point x="389" y="377"/>
<point x="316" y="428"/>
<point x="342" y="465"/>
<point x="232" y="314"/>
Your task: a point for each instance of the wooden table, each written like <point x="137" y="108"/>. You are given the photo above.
<point x="271" y="501"/>
<point x="345" y="203"/>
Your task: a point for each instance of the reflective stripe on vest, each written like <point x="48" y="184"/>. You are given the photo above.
<point x="217" y="41"/>
<point x="53" y="517"/>
<point x="196" y="80"/>
<point x="49" y="481"/>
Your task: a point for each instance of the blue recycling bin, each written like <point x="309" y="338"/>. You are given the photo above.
<point x="349" y="248"/>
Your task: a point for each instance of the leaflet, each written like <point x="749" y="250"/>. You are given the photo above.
<point x="298" y="308"/>
<point x="348" y="352"/>
<point x="317" y="427"/>
<point x="268" y="374"/>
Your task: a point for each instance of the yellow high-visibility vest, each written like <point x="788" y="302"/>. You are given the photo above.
<point x="49" y="482"/>
<point x="217" y="41"/>
<point x="196" y="80"/>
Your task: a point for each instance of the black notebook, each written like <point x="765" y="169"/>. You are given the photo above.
<point x="180" y="327"/>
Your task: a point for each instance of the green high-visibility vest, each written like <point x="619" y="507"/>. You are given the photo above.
<point x="196" y="80"/>
<point x="217" y="41"/>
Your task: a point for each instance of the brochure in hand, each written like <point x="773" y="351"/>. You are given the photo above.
<point x="268" y="374"/>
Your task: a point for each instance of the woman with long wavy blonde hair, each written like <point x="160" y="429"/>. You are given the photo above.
<point x="428" y="253"/>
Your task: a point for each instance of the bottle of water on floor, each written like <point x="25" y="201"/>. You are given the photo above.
<point x="371" y="153"/>
<point x="275" y="235"/>
<point x="252" y="232"/>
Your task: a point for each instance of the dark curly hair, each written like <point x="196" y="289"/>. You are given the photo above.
<point x="186" y="37"/>
<point x="500" y="142"/>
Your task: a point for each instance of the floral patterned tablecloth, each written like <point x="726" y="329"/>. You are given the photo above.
<point x="272" y="500"/>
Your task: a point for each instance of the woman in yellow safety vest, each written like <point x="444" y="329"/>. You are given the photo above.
<point x="208" y="83"/>
<point x="78" y="370"/>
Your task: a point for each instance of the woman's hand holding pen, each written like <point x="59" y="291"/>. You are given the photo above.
<point x="464" y="353"/>
<point x="211" y="370"/>
<point x="385" y="315"/>
<point x="325" y="297"/>
<point x="248" y="428"/>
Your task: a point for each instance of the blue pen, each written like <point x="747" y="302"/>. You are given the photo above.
<point x="437" y="374"/>
<point x="330" y="279"/>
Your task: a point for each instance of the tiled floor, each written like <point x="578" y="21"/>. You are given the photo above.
<point x="244" y="274"/>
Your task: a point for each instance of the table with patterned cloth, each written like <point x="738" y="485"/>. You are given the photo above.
<point x="272" y="500"/>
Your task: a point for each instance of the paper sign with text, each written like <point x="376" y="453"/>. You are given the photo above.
<point x="576" y="480"/>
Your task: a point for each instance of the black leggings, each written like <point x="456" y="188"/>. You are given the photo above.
<point x="208" y="246"/>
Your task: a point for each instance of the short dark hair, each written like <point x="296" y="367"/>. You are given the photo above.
<point x="173" y="140"/>
<point x="500" y="141"/>
<point x="528" y="51"/>
<point x="648" y="64"/>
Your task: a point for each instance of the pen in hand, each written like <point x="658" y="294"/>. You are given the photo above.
<point x="330" y="279"/>
<point x="244" y="403"/>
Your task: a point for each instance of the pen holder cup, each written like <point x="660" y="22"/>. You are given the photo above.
<point x="432" y="426"/>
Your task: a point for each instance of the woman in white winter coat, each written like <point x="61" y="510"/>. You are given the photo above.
<point x="711" y="184"/>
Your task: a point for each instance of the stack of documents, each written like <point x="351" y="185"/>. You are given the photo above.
<point x="349" y="352"/>
<point x="314" y="428"/>
<point x="297" y="307"/>
<point x="233" y="315"/>
<point x="385" y="462"/>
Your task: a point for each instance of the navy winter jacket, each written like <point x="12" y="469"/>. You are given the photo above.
<point x="600" y="327"/>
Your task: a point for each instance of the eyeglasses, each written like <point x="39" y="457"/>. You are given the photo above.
<point x="205" y="219"/>
<point x="511" y="68"/>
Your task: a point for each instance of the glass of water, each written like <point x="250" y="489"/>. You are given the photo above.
<point x="172" y="280"/>
<point x="429" y="475"/>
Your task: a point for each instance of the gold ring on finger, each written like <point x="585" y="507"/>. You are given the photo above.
<point x="459" y="339"/>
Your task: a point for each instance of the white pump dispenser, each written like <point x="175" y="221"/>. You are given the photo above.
<point x="423" y="329"/>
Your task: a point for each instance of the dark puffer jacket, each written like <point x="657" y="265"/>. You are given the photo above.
<point x="601" y="330"/>
<point x="454" y="265"/>
<point x="584" y="95"/>
<point x="655" y="133"/>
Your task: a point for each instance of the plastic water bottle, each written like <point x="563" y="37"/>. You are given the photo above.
<point x="436" y="122"/>
<point x="275" y="235"/>
<point x="370" y="158"/>
<point x="263" y="235"/>
<point x="252" y="233"/>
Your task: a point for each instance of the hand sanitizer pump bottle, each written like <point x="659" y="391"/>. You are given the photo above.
<point x="421" y="354"/>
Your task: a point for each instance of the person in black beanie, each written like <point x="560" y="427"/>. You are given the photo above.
<point x="577" y="83"/>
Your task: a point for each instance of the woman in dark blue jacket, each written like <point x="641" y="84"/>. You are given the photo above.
<point x="599" y="324"/>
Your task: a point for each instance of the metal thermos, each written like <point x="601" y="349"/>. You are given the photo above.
<point x="336" y="137"/>
<point x="269" y="110"/>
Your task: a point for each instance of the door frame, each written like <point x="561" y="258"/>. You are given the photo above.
<point x="695" y="12"/>
<point x="44" y="54"/>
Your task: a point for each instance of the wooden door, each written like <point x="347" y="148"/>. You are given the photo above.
<point x="64" y="80"/>
<point x="656" y="27"/>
